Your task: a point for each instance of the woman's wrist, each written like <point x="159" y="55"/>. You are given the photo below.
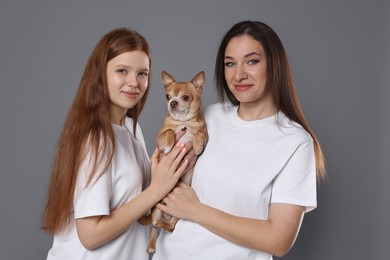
<point x="200" y="213"/>
<point x="154" y="195"/>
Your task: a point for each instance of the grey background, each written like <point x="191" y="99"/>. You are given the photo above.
<point x="340" y="59"/>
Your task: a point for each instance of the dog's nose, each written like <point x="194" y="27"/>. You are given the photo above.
<point x="173" y="104"/>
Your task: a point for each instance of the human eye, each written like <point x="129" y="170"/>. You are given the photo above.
<point x="143" y="74"/>
<point x="122" y="71"/>
<point x="229" y="64"/>
<point x="253" y="62"/>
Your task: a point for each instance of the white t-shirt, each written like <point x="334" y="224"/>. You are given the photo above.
<point x="125" y="178"/>
<point x="245" y="166"/>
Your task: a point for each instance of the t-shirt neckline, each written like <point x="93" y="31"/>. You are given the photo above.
<point x="236" y="118"/>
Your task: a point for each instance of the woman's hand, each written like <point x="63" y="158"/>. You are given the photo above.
<point x="275" y="235"/>
<point x="190" y="156"/>
<point x="167" y="170"/>
<point x="95" y="231"/>
<point x="182" y="202"/>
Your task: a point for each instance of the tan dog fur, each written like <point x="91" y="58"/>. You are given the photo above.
<point x="184" y="111"/>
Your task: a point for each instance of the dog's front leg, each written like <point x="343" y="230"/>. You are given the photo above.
<point x="200" y="141"/>
<point x="166" y="140"/>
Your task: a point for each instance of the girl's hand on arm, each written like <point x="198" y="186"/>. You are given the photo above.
<point x="275" y="235"/>
<point x="167" y="170"/>
<point x="97" y="230"/>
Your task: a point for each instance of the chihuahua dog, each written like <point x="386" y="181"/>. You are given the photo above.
<point x="184" y="111"/>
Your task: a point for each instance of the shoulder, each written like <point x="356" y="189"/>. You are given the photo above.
<point x="212" y="108"/>
<point x="292" y="129"/>
<point x="129" y="125"/>
<point x="218" y="108"/>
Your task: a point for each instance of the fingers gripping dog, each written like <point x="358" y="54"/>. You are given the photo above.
<point x="184" y="111"/>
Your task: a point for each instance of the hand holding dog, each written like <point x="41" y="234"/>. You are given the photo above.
<point x="182" y="203"/>
<point x="167" y="171"/>
<point x="190" y="156"/>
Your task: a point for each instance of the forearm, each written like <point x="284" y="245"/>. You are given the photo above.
<point x="243" y="231"/>
<point x="96" y="231"/>
<point x="275" y="236"/>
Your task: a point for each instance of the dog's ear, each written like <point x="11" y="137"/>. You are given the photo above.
<point x="167" y="78"/>
<point x="198" y="81"/>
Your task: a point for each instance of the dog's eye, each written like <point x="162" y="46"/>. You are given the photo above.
<point x="168" y="97"/>
<point x="185" y="98"/>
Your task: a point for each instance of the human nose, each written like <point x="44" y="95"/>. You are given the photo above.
<point x="132" y="79"/>
<point x="239" y="73"/>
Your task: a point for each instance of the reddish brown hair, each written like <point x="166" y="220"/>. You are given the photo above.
<point x="279" y="83"/>
<point x="88" y="121"/>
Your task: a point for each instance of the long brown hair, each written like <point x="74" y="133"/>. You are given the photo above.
<point x="279" y="83"/>
<point x="88" y="121"/>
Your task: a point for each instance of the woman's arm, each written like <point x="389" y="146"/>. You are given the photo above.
<point x="275" y="235"/>
<point x="97" y="230"/>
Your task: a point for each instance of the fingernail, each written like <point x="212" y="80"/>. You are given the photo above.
<point x="178" y="144"/>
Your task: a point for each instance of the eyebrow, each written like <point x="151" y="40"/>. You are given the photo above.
<point x="245" y="56"/>
<point x="127" y="67"/>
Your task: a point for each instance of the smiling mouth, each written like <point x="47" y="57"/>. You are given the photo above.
<point x="131" y="94"/>
<point x="242" y="87"/>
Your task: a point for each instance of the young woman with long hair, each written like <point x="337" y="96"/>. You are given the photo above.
<point x="102" y="180"/>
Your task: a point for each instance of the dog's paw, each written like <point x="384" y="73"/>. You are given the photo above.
<point x="158" y="223"/>
<point x="198" y="146"/>
<point x="198" y="149"/>
<point x="199" y="142"/>
<point x="151" y="251"/>
<point x="165" y="149"/>
<point x="166" y="141"/>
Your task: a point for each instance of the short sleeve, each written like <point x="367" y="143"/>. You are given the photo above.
<point x="93" y="198"/>
<point x="145" y="162"/>
<point x="296" y="183"/>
